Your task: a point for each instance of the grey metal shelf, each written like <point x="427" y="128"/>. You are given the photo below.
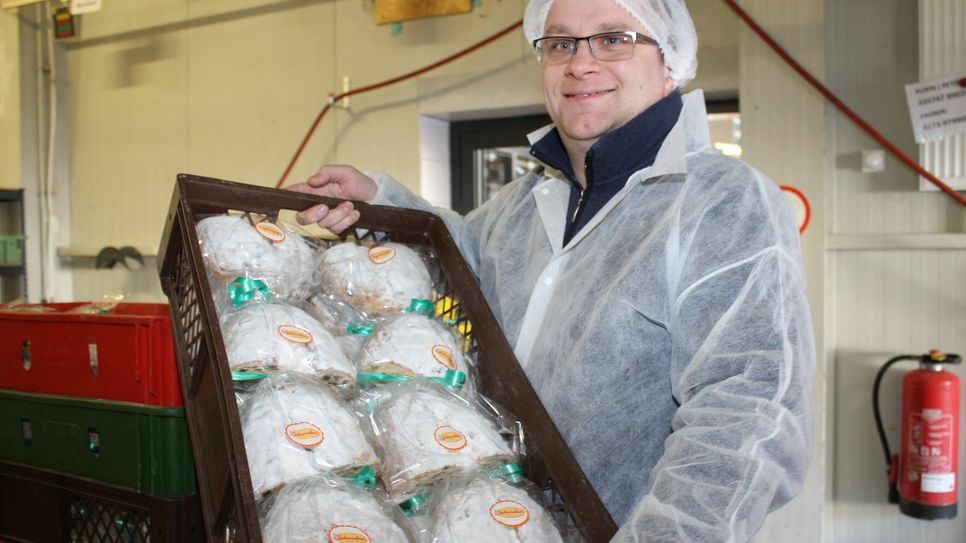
<point x="14" y="283"/>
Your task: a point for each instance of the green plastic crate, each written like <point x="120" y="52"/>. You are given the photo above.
<point x="11" y="250"/>
<point x="140" y="447"/>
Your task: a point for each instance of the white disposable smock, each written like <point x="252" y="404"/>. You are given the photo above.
<point x="670" y="340"/>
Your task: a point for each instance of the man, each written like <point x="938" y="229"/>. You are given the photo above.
<point x="652" y="288"/>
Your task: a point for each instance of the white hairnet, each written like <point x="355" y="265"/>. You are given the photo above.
<point x="667" y="21"/>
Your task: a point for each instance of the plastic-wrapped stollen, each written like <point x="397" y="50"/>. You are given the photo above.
<point x="379" y="280"/>
<point x="411" y="344"/>
<point x="425" y="433"/>
<point x="281" y="337"/>
<point x="331" y="512"/>
<point x="294" y="429"/>
<point x="487" y="510"/>
<point x="278" y="256"/>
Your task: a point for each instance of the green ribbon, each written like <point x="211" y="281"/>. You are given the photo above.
<point x="419" y="305"/>
<point x="454" y="379"/>
<point x="365" y="479"/>
<point x="243" y="289"/>
<point x="413" y="505"/>
<point x="359" y="329"/>
<point x="246" y="376"/>
<point x="513" y="473"/>
<point x="365" y="378"/>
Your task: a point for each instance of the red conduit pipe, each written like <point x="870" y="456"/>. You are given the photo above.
<point x="335" y="98"/>
<point x="841" y="105"/>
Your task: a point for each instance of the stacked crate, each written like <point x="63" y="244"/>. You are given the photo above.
<point x="93" y="440"/>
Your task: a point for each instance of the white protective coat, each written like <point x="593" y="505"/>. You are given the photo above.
<point x="679" y="359"/>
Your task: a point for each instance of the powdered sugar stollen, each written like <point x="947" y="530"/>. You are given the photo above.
<point x="378" y="280"/>
<point x="295" y="429"/>
<point x="280" y="337"/>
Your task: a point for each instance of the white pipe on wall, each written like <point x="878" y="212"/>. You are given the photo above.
<point x="51" y="147"/>
<point x="41" y="174"/>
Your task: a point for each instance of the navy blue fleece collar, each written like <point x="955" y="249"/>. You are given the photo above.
<point x="611" y="160"/>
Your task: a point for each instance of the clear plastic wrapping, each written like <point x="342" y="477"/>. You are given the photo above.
<point x="334" y="512"/>
<point x="295" y="428"/>
<point x="378" y="279"/>
<point x="410" y="344"/>
<point x="349" y="325"/>
<point x="250" y="258"/>
<point x="275" y="336"/>
<point x="425" y="432"/>
<point x="334" y="313"/>
<point x="105" y="306"/>
<point x="487" y="509"/>
<point x="20" y="307"/>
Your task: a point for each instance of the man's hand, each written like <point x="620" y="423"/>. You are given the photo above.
<point x="343" y="182"/>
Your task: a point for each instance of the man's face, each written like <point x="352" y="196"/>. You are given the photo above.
<point x="586" y="97"/>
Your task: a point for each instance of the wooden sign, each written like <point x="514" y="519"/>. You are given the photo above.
<point x="394" y="11"/>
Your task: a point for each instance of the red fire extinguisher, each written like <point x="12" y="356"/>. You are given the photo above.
<point x="922" y="477"/>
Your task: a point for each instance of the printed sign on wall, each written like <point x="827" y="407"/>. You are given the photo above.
<point x="938" y="108"/>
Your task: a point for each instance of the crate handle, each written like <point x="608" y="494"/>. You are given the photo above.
<point x="92" y="354"/>
<point x="94" y="442"/>
<point x="26" y="432"/>
<point x="25" y="354"/>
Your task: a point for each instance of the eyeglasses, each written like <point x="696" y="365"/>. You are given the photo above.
<point x="553" y="50"/>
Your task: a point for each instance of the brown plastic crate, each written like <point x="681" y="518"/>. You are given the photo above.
<point x="213" y="421"/>
<point x="42" y="506"/>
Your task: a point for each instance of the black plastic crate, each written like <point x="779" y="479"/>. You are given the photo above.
<point x="213" y="420"/>
<point x="42" y="506"/>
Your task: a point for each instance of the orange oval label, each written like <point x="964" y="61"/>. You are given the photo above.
<point x="304" y="434"/>
<point x="270" y="231"/>
<point x="346" y="533"/>
<point x="381" y="254"/>
<point x="444" y="355"/>
<point x="295" y="334"/>
<point x="509" y="513"/>
<point x="449" y="438"/>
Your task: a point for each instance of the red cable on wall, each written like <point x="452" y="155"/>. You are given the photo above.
<point x="841" y="105"/>
<point x="335" y="98"/>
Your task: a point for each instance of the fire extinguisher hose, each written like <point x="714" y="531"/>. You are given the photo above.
<point x="892" y="471"/>
<point x="893" y="489"/>
<point x="875" y="402"/>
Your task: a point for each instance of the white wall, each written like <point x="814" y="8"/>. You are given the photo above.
<point x="871" y="300"/>
<point x="783" y="133"/>
<point x="885" y="300"/>
<point x="9" y="102"/>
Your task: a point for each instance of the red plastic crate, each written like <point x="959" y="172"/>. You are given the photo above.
<point x="126" y="355"/>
